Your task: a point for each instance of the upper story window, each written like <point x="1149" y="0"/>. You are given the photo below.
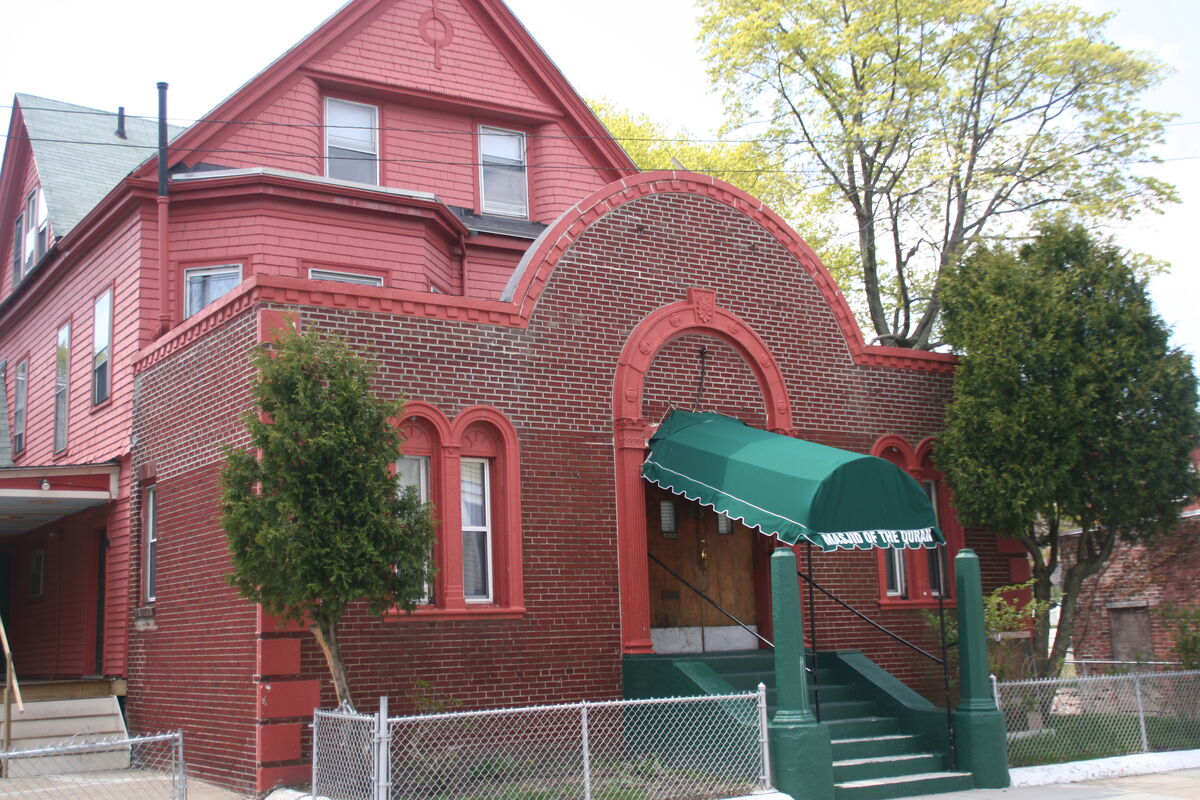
<point x="62" y="383"/>
<point x="102" y="347"/>
<point x="503" y="187"/>
<point x="20" y="402"/>
<point x="203" y="285"/>
<point x="351" y="141"/>
<point x="344" y="277"/>
<point x="31" y="233"/>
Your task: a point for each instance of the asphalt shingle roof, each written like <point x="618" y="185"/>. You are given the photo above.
<point x="79" y="156"/>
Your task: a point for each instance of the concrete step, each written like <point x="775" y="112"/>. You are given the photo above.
<point x="903" y="786"/>
<point x="51" y="722"/>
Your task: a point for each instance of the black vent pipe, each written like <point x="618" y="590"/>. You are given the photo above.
<point x="162" y="139"/>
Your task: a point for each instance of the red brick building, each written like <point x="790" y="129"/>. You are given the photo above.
<point x="1124" y="610"/>
<point x="417" y="177"/>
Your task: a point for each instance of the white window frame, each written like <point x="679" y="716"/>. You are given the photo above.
<point x="424" y="464"/>
<point x="62" y="387"/>
<point x="485" y="529"/>
<point x="18" y="249"/>
<point x="20" y="405"/>
<point x="896" y="564"/>
<point x="491" y="207"/>
<point x="150" y="500"/>
<point x="359" y="278"/>
<point x="102" y="327"/>
<point x="201" y="272"/>
<point x="936" y="564"/>
<point x="31" y="227"/>
<point x="332" y="139"/>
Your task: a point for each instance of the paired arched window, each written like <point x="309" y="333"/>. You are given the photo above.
<point x="919" y="577"/>
<point x="468" y="469"/>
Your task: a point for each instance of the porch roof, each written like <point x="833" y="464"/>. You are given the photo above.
<point x="34" y="496"/>
<point x="790" y="488"/>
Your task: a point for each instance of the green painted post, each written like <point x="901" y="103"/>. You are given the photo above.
<point x="801" y="753"/>
<point x="979" y="735"/>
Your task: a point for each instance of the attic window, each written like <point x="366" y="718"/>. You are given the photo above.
<point x="503" y="187"/>
<point x="351" y="141"/>
<point x="31" y="233"/>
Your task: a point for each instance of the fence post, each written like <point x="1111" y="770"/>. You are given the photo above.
<point x="180" y="768"/>
<point x="383" y="752"/>
<point x="1137" y="691"/>
<point x="764" y="741"/>
<point x="316" y="749"/>
<point x="587" y="755"/>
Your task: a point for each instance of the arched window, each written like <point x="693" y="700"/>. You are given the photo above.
<point x="469" y="471"/>
<point x="919" y="577"/>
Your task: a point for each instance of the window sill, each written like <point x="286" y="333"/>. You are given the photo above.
<point x="430" y="614"/>
<point x="899" y="604"/>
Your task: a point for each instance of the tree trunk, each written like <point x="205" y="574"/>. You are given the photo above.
<point x="326" y="635"/>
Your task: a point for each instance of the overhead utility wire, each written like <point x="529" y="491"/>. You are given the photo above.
<point x="476" y="133"/>
<point x="434" y="162"/>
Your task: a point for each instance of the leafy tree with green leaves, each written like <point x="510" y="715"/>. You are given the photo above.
<point x="935" y="123"/>
<point x="1070" y="411"/>
<point x="311" y="510"/>
<point x="748" y="165"/>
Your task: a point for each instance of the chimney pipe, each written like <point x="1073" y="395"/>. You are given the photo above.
<point x="162" y="139"/>
<point x="121" y="121"/>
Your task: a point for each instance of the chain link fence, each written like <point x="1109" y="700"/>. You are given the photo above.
<point x="129" y="768"/>
<point x="1072" y="719"/>
<point x="660" y="749"/>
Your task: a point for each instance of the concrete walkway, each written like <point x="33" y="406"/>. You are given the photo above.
<point x="1159" y="786"/>
<point x="1148" y="776"/>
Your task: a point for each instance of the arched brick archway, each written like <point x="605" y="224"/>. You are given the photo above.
<point x="699" y="313"/>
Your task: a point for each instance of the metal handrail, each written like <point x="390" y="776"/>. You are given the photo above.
<point x="12" y="689"/>
<point x="870" y="621"/>
<point x="710" y="601"/>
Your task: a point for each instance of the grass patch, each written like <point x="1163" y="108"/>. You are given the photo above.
<point x="1079" y="737"/>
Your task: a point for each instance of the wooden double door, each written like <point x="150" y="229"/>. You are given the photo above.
<point x="715" y="556"/>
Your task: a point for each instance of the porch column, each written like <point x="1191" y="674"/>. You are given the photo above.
<point x="979" y="734"/>
<point x="632" y="563"/>
<point x="801" y="752"/>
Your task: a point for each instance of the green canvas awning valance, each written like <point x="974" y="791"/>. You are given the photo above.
<point x="789" y="487"/>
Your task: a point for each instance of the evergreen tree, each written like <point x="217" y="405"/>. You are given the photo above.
<point x="1070" y="410"/>
<point x="311" y="509"/>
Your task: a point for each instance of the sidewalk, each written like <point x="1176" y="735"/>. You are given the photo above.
<point x="1145" y="776"/>
<point x="1184" y="783"/>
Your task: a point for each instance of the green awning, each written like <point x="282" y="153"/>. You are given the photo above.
<point x="789" y="487"/>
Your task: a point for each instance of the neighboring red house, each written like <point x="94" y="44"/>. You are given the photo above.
<point x="418" y="177"/>
<point x="1124" y="610"/>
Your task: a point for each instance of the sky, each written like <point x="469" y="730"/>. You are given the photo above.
<point x="642" y="54"/>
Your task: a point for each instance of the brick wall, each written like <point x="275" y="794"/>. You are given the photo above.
<point x="553" y="380"/>
<point x="1154" y="576"/>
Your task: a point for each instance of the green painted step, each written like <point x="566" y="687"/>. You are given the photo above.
<point x="903" y="786"/>
<point x="856" y="727"/>
<point x="890" y="766"/>
<point x="867" y="746"/>
<point x="844" y="709"/>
